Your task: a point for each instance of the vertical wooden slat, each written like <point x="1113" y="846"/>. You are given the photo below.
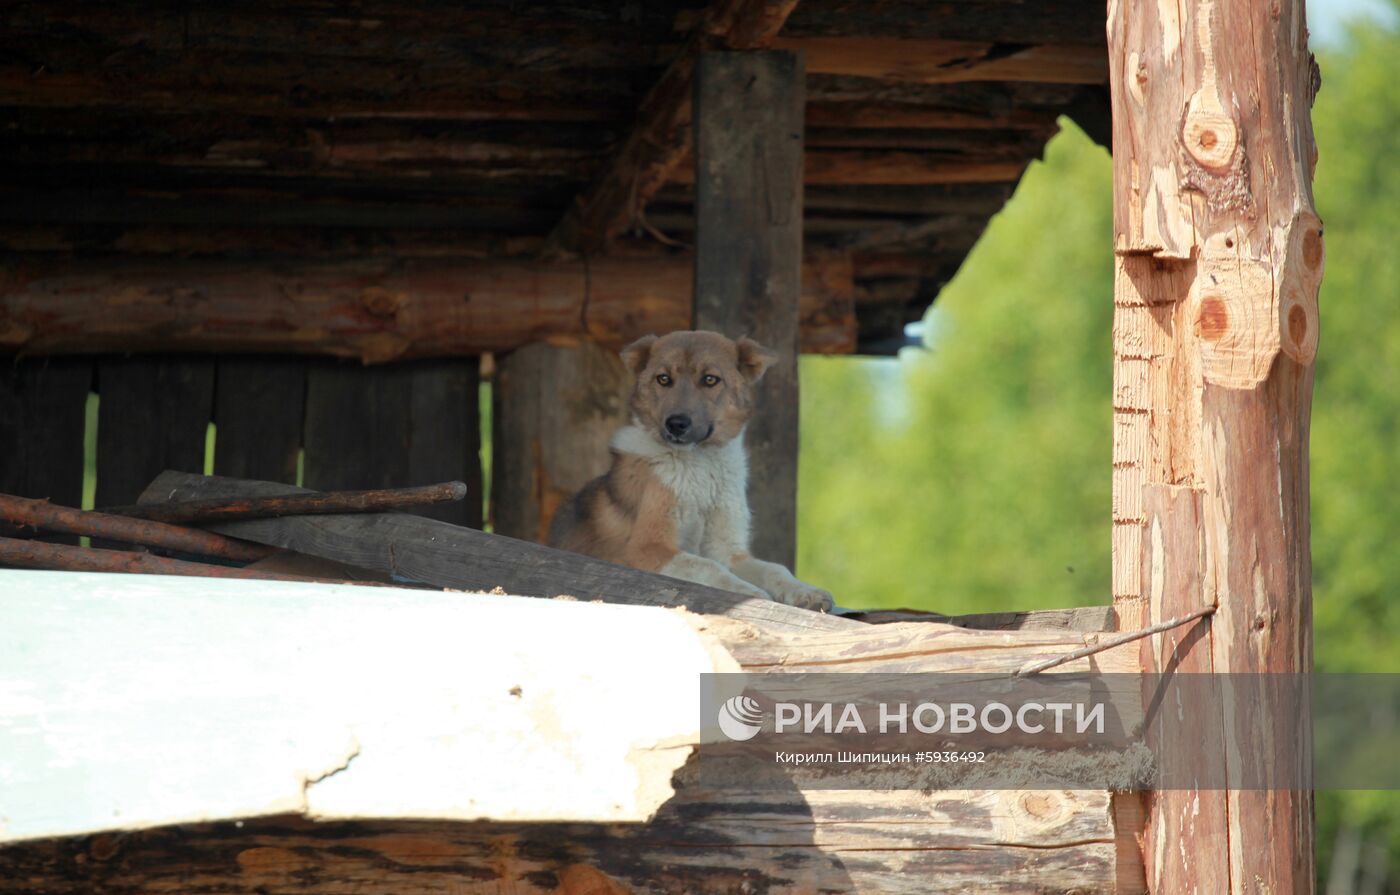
<point x="357" y="426"/>
<point x="42" y="412"/>
<point x="153" y="415"/>
<point x="557" y="406"/>
<point x="259" y="405"/>
<point x="393" y="426"/>
<point x="445" y="434"/>
<point x="748" y="266"/>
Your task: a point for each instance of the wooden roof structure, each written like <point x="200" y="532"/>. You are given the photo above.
<point x="264" y="133"/>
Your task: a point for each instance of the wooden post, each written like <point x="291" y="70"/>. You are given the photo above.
<point x="748" y="247"/>
<point x="555" y="407"/>
<point x="1215" y="328"/>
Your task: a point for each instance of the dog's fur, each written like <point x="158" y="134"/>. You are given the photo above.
<point x="675" y="500"/>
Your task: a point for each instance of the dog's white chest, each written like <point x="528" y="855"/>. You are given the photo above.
<point x="700" y="480"/>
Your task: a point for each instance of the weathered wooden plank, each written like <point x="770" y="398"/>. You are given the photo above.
<point x="444" y="436"/>
<point x="43" y="413"/>
<point x="941" y="61"/>
<point x="1018" y="22"/>
<point x="375" y="310"/>
<point x="1220" y="256"/>
<point x="357" y="426"/>
<point x="748" y="256"/>
<point x="1086" y="619"/>
<point x="153" y="414"/>
<point x="659" y="139"/>
<point x="451" y="556"/>
<point x="259" y="404"/>
<point x="556" y="409"/>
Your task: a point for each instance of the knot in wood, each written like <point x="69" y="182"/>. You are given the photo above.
<point x="1210" y="138"/>
<point x="382" y="302"/>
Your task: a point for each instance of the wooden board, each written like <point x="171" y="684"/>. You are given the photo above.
<point x="444" y="437"/>
<point x="153" y="414"/>
<point x="748" y="256"/>
<point x="556" y="409"/>
<point x="395" y="426"/>
<point x="451" y="556"/>
<point x="223" y="700"/>
<point x="43" y="413"/>
<point x="259" y="403"/>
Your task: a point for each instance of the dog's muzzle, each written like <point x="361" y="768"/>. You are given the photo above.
<point x="681" y="429"/>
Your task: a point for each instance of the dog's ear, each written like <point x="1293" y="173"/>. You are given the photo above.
<point x="636" y="355"/>
<point x="754" y="359"/>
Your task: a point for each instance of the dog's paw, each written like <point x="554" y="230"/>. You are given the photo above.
<point x="802" y="595"/>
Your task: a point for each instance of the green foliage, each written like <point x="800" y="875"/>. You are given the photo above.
<point x="975" y="476"/>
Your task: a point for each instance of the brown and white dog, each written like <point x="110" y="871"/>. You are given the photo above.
<point x="675" y="500"/>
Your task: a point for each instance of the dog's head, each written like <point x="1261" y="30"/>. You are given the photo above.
<point x="695" y="388"/>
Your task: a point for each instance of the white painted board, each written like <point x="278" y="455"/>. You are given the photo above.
<point x="131" y="701"/>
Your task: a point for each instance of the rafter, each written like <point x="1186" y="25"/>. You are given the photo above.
<point x="659" y="139"/>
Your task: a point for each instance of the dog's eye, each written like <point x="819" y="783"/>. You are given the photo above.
<point x="710" y="380"/>
<point x="664" y="379"/>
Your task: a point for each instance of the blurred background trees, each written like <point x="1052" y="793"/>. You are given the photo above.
<point x="974" y="475"/>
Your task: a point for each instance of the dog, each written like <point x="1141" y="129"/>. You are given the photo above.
<point x="675" y="500"/>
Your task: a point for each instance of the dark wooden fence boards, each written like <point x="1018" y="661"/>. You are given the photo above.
<point x="386" y="427"/>
<point x="43" y="406"/>
<point x="361" y="427"/>
<point x="153" y="414"/>
<point x="259" y="405"/>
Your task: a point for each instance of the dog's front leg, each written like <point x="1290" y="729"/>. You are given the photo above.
<point x="727" y="542"/>
<point x="700" y="570"/>
<point x="782" y="584"/>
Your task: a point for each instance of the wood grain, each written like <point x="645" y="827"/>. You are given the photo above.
<point x="374" y="310"/>
<point x="556" y="409"/>
<point x="748" y="257"/>
<point x="1220" y="256"/>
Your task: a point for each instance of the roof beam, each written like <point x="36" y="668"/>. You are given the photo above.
<point x="660" y="137"/>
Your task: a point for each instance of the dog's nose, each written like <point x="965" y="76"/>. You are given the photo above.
<point x="678" y="424"/>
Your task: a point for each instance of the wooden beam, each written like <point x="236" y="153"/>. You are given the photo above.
<point x="659" y="139"/>
<point x="855" y="167"/>
<point x="938" y="61"/>
<point x="1219" y="258"/>
<point x="446" y="555"/>
<point x="748" y="257"/>
<point x="555" y="410"/>
<point x="372" y="310"/>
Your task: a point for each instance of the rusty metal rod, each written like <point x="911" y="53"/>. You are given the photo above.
<point x="228" y="509"/>
<point x="45" y="516"/>
<point x="26" y="554"/>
